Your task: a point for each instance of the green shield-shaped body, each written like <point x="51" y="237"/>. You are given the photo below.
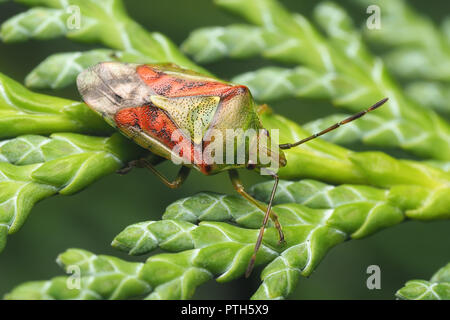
<point x="180" y="115"/>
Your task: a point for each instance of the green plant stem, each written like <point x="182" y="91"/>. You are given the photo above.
<point x="34" y="167"/>
<point x="321" y="217"/>
<point x="328" y="162"/>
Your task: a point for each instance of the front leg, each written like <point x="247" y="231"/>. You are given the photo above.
<point x="129" y="166"/>
<point x="144" y="163"/>
<point x="268" y="212"/>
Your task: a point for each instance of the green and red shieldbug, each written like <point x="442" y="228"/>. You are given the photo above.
<point x="150" y="103"/>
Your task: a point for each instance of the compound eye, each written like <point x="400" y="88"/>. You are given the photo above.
<point x="251" y="165"/>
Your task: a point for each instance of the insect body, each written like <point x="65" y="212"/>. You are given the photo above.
<point x="178" y="114"/>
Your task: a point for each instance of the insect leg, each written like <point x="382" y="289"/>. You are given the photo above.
<point x="237" y="184"/>
<point x="129" y="166"/>
<point x="144" y="163"/>
<point x="234" y="176"/>
<point x="334" y="126"/>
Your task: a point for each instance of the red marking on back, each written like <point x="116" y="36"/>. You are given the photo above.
<point x="156" y="123"/>
<point x="126" y="117"/>
<point x="147" y="73"/>
<point x="169" y="86"/>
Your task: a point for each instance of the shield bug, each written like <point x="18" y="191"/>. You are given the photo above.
<point x="176" y="114"/>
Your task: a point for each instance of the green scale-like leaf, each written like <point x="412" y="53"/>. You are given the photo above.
<point x="98" y="21"/>
<point x="26" y="112"/>
<point x="60" y="70"/>
<point x="438" y="288"/>
<point x="420" y="51"/>
<point x="338" y="67"/>
<point x="104" y="277"/>
<point x="341" y="165"/>
<point x="37" y="23"/>
<point x="325" y="216"/>
<point x="35" y="167"/>
<point x="315" y="217"/>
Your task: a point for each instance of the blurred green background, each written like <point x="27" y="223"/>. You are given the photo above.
<point x="92" y="218"/>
